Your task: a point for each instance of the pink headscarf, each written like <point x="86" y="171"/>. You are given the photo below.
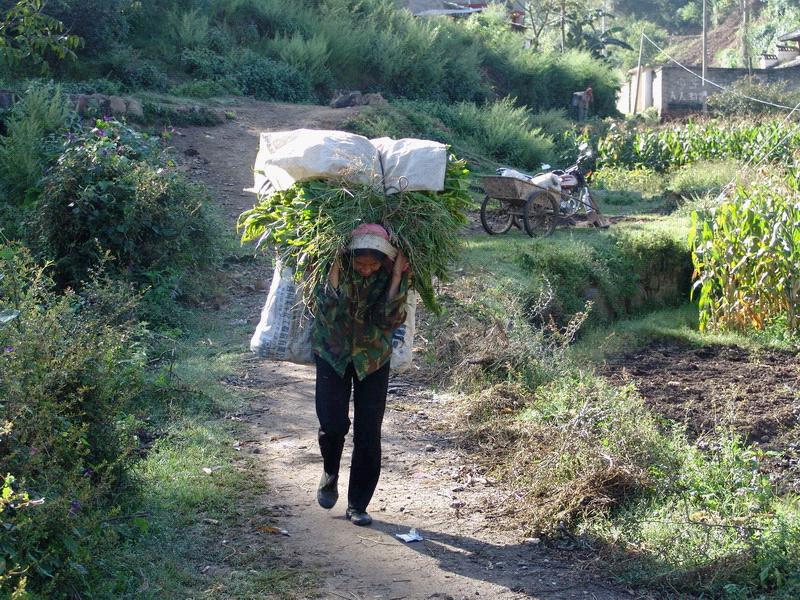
<point x="374" y="237"/>
<point x="371" y="229"/>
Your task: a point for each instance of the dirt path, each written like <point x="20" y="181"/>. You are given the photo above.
<point x="426" y="483"/>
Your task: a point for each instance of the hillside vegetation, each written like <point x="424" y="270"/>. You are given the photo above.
<point x="295" y="51"/>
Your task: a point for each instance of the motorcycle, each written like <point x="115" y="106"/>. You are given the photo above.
<point x="576" y="198"/>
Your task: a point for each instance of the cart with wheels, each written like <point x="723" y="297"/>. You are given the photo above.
<point x="511" y="201"/>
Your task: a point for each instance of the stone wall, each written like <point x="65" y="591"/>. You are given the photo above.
<point x="676" y="93"/>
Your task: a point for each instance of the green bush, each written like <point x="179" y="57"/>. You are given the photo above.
<point x="733" y="102"/>
<point x="27" y="145"/>
<point x="188" y="29"/>
<point x="308" y="56"/>
<point x="205" y="63"/>
<point x="103" y="200"/>
<point x="129" y="67"/>
<point x="266" y="79"/>
<point x="501" y="130"/>
<point x="70" y="370"/>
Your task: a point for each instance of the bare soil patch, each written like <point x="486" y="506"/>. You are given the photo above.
<point x="756" y="394"/>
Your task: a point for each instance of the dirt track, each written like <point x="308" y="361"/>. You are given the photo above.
<point x="426" y="484"/>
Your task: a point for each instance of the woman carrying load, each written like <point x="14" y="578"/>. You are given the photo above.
<point x="357" y="312"/>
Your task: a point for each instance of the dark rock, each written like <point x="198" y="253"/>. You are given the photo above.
<point x="117" y="106"/>
<point x="345" y="99"/>
<point x="6" y="98"/>
<point x="135" y="109"/>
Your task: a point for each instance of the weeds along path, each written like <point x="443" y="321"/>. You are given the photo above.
<point x="425" y="483"/>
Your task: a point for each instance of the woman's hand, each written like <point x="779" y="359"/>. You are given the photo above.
<point x="335" y="272"/>
<point x="400" y="265"/>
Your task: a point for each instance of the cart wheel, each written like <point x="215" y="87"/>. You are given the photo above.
<point x="496" y="216"/>
<point x="540" y="214"/>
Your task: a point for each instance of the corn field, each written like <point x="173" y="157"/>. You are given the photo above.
<point x="746" y="254"/>
<point x="672" y="146"/>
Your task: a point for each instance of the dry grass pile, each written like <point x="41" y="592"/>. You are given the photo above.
<point x="575" y="447"/>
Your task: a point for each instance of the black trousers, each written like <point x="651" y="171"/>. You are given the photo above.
<point x="333" y="407"/>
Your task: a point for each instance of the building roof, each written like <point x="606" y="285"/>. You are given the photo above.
<point x="795" y="62"/>
<point x="792" y="36"/>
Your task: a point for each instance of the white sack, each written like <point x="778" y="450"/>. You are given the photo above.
<point x="284" y="332"/>
<point x="285" y="157"/>
<point x="412" y="165"/>
<point x="548" y="181"/>
<point x="403" y="338"/>
<point x="504" y="172"/>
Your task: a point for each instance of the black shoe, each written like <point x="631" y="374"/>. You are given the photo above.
<point x="358" y="517"/>
<point x="328" y="492"/>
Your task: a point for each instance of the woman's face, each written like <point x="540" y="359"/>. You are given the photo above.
<point x="366" y="265"/>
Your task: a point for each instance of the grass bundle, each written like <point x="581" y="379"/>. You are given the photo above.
<point x="309" y="223"/>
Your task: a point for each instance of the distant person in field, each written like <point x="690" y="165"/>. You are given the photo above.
<point x="357" y="311"/>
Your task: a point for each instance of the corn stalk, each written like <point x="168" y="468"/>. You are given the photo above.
<point x="746" y="254"/>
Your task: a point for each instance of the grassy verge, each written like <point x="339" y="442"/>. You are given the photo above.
<point x="194" y="530"/>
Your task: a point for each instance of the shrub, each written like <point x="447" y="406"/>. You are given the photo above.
<point x="307" y="56"/>
<point x="734" y="101"/>
<point x="103" y="200"/>
<point x="128" y="66"/>
<point x="70" y="368"/>
<point x="100" y="23"/>
<point x="25" y="149"/>
<point x="189" y="29"/>
<point x="266" y="79"/>
<point x="500" y="130"/>
<point x="205" y="63"/>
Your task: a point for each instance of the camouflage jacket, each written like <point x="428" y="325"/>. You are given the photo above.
<point x="355" y="322"/>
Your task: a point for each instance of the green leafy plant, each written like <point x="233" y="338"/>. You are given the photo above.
<point x="672" y="146"/>
<point x="746" y="254"/>
<point x="27" y="34"/>
<point x="112" y="196"/>
<point x="309" y="223"/>
<point x="70" y="368"/>
<point x="28" y="145"/>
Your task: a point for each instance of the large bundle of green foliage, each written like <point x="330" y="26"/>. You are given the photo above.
<point x="310" y="223"/>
